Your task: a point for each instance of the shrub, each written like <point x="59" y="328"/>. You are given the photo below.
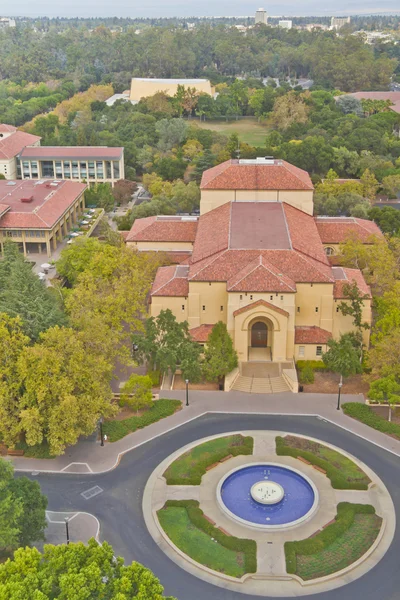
<point x="155" y="378"/>
<point x="315" y="365"/>
<point x="306" y="375"/>
<point x="366" y="415"/>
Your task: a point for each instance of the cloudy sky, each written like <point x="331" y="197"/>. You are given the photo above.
<point x="186" y="8"/>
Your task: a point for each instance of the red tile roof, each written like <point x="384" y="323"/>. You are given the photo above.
<point x="258" y="225"/>
<point x="260" y="276"/>
<point x="345" y="276"/>
<point x="335" y="230"/>
<point x="249" y="175"/>
<point x="248" y="307"/>
<point x="392" y="96"/>
<point x="47" y="205"/>
<point x="163" y="229"/>
<point x="179" y="258"/>
<point x="200" y="334"/>
<point x="311" y="335"/>
<point x="12" y="145"/>
<point x="4" y="128"/>
<point x="171" y="281"/>
<point x="212" y="232"/>
<point x="72" y="152"/>
<point x="304" y="233"/>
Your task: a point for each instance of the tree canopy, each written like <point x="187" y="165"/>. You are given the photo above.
<point x="220" y="357"/>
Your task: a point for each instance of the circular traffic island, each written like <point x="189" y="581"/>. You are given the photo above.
<point x="244" y="508"/>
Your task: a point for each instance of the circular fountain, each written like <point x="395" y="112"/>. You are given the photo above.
<point x="267" y="496"/>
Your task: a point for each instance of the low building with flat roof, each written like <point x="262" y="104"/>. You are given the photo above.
<point x="94" y="164"/>
<point x="38" y="214"/>
<point x="144" y="87"/>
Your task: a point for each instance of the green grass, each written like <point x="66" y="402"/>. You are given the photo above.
<point x="184" y="523"/>
<point x="115" y="430"/>
<point x="343" y="473"/>
<point x="365" y="414"/>
<point x="315" y="365"/>
<point x="249" y="130"/>
<point x="339" y="545"/>
<point x="189" y="468"/>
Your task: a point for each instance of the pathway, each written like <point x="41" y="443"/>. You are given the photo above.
<point x="89" y="457"/>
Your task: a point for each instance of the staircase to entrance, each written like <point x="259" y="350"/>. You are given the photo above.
<point x="261" y="378"/>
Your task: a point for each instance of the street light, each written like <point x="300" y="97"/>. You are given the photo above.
<point x="66" y="528"/>
<point x="340" y="387"/>
<point x="187" y="391"/>
<point x="101" y="433"/>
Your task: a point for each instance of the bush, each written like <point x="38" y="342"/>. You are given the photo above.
<point x="343" y="521"/>
<point x="116" y="430"/>
<point x="306" y="375"/>
<point x="196" y="516"/>
<point x="315" y="365"/>
<point x="366" y="415"/>
<point x="155" y="378"/>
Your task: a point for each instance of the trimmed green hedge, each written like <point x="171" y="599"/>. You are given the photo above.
<point x="196" y="516"/>
<point x="334" y="467"/>
<point x="189" y="468"/>
<point x="320" y="542"/>
<point x="315" y="365"/>
<point x="365" y="414"/>
<point x="115" y="430"/>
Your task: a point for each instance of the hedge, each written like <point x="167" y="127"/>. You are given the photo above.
<point x="155" y="378"/>
<point x="115" y="430"/>
<point x="366" y="415"/>
<point x="315" y="365"/>
<point x="196" y="516"/>
<point x="337" y="478"/>
<point x="343" y="521"/>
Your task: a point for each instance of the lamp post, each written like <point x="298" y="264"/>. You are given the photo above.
<point x="187" y="391"/>
<point x="66" y="528"/>
<point x="340" y="388"/>
<point x="101" y="433"/>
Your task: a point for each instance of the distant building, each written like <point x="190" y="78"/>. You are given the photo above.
<point x="38" y="214"/>
<point x="112" y="99"/>
<point x="94" y="164"/>
<point x="12" y="142"/>
<point x="394" y="97"/>
<point x="285" y="24"/>
<point x="338" y="22"/>
<point x="143" y="87"/>
<point x="261" y="16"/>
<point x="316" y="26"/>
<point x="6" y="22"/>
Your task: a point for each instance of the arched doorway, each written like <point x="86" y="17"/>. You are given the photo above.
<point x="259" y="335"/>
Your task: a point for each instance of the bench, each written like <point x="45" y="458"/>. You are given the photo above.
<point x="212" y="466"/>
<point x="15" y="452"/>
<point x="225" y="531"/>
<point x="320" y="469"/>
<point x="303" y="460"/>
<point x="226" y="458"/>
<point x="209" y="520"/>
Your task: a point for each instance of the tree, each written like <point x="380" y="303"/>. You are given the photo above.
<point x="220" y="357"/>
<point x="353" y="306"/>
<point x="136" y="392"/>
<point x="386" y="390"/>
<point x="91" y="571"/>
<point x="10" y="509"/>
<point x="172" y="132"/>
<point x="100" y="195"/>
<point x="123" y="190"/>
<point x="76" y="258"/>
<point x="289" y="109"/>
<point x="32" y="521"/>
<point x="391" y="185"/>
<point x="349" y="104"/>
<point x="343" y="356"/>
<point x="370" y="184"/>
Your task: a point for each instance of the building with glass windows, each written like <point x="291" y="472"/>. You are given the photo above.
<point x="92" y="164"/>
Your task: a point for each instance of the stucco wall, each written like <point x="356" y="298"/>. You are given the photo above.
<point x="211" y="296"/>
<point x="211" y="199"/>
<point x="310" y="351"/>
<point x="8" y="168"/>
<point x="174" y="303"/>
<point x="143" y="89"/>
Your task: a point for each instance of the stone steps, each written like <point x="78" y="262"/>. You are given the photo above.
<point x="258" y="385"/>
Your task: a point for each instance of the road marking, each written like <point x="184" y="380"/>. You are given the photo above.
<point x="92" y="492"/>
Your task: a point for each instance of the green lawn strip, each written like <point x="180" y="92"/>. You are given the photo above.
<point x="365" y="414"/>
<point x="189" y="468"/>
<point x="343" y="473"/>
<point x="355" y="529"/>
<point x="115" y="430"/>
<point x="184" y="523"/>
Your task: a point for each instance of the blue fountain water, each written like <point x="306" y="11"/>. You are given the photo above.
<point x="297" y="501"/>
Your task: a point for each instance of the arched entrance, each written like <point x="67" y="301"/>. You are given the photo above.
<point x="259" y="335"/>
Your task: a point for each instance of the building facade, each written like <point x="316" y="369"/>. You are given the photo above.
<point x="38" y="215"/>
<point x="258" y="260"/>
<point x="92" y="164"/>
<point x="12" y="142"/>
<point x="261" y="16"/>
<point x="339" y="22"/>
<point x="143" y="87"/>
<point x="285" y="24"/>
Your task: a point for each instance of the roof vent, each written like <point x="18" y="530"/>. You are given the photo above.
<point x="11" y="183"/>
<point x="27" y="199"/>
<point x="260" y="160"/>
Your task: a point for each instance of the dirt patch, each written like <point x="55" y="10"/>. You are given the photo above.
<point x="327" y="383"/>
<point x="126" y="412"/>
<point x="383" y="411"/>
<point x="179" y="384"/>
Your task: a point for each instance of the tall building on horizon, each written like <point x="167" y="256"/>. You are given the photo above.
<point x="338" y="22"/>
<point x="261" y="16"/>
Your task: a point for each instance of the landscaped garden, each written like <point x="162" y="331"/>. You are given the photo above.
<point x="184" y="523"/>
<point x="365" y="414"/>
<point x="189" y="468"/>
<point x="355" y="529"/>
<point x="342" y="472"/>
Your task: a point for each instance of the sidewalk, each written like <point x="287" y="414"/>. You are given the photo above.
<point x="89" y="457"/>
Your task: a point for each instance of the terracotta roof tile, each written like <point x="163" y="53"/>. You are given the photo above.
<point x="12" y="145"/>
<point x="345" y="276"/>
<point x="171" y="281"/>
<point x="260" y="276"/>
<point x="335" y="230"/>
<point x="311" y="335"/>
<point x="200" y="334"/>
<point x="212" y="232"/>
<point x="304" y="233"/>
<point x="247" y="175"/>
<point x="252" y="305"/>
<point x="163" y="229"/>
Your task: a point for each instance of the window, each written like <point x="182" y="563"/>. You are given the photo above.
<point x="281" y="297"/>
<point x="48" y="168"/>
<point x="108" y="169"/>
<point x="183" y="307"/>
<point x="99" y="169"/>
<point x="222" y="308"/>
<point x="301" y="350"/>
<point x="329" y="251"/>
<point x="241" y="297"/>
<point x="271" y="298"/>
<point x="319" y="351"/>
<point x="116" y="169"/>
<point x="251" y="296"/>
<point x="204" y="308"/>
<point x="298" y="309"/>
<point x="337" y="309"/>
<point x="316" y="309"/>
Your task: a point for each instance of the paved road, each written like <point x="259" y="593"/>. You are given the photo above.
<point x="118" y="506"/>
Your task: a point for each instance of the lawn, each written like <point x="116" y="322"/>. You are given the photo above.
<point x="115" y="430"/>
<point x="343" y="472"/>
<point x="339" y="545"/>
<point x="189" y="468"/>
<point x="366" y="415"/>
<point x="184" y="523"/>
<point x="249" y="130"/>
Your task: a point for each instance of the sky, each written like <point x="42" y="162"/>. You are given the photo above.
<point x="187" y="8"/>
